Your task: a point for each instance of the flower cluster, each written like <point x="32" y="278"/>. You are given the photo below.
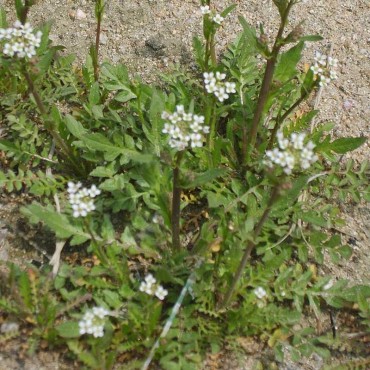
<point x="324" y="68"/>
<point x="81" y="198"/>
<point x="260" y="292"/>
<point x="20" y="41"/>
<point x="215" y="85"/>
<point x="185" y="129"/>
<point x="150" y="287"/>
<point x="93" y="322"/>
<point x="217" y="18"/>
<point x="292" y="153"/>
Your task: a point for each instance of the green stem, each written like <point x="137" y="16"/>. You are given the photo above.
<point x="266" y="83"/>
<point x="176" y="203"/>
<point x="212" y="125"/>
<point x="96" y="245"/>
<point x="250" y="246"/>
<point x="99" y="14"/>
<point x="244" y="130"/>
<point x="212" y="51"/>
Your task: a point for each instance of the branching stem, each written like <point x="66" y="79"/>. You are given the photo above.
<point x="267" y="80"/>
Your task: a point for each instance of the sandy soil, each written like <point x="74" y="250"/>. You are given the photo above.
<point x="148" y="35"/>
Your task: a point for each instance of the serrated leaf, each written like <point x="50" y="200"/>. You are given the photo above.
<point x="287" y="63"/>
<point x="99" y="142"/>
<point x="57" y="222"/>
<point x="249" y="35"/>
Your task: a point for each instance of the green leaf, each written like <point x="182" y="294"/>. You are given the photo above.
<point x="45" y="60"/>
<point x="313" y="218"/>
<point x="102" y="171"/>
<point x="203" y="178"/>
<point x="286" y="66"/>
<point x="116" y="77"/>
<point x="19" y="8"/>
<point x="74" y="127"/>
<point x="228" y="10"/>
<point x="99" y="142"/>
<point x="78" y="240"/>
<point x="44" y="45"/>
<point x="25" y="290"/>
<point x="8" y="146"/>
<point x="57" y="222"/>
<point x="311" y="38"/>
<point x="346" y="144"/>
<point x="156" y="108"/>
<point x="249" y="35"/>
<point x="125" y="95"/>
<point x="68" y="329"/>
<point x="94" y="95"/>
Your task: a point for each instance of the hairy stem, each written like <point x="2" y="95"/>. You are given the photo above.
<point x="250" y="246"/>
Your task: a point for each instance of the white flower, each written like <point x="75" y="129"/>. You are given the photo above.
<point x="221" y="94"/>
<point x="160" y="292"/>
<point x="320" y="58"/>
<point x="218" y="19"/>
<point x="21" y="41"/>
<point x="324" y="81"/>
<point x="184" y="128"/>
<point x="220" y="76"/>
<point x="230" y="87"/>
<point x="150" y="287"/>
<point x="214" y="85"/>
<point x="324" y="69"/>
<point x="146" y="288"/>
<point x="205" y="10"/>
<point x="332" y="62"/>
<point x="208" y="77"/>
<point x="291" y="153"/>
<point x="94" y="191"/>
<point x="80" y="199"/>
<point x="150" y="279"/>
<point x="93" y="322"/>
<point x="283" y="143"/>
<point x="316" y="69"/>
<point x="260" y="292"/>
<point x="333" y="75"/>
